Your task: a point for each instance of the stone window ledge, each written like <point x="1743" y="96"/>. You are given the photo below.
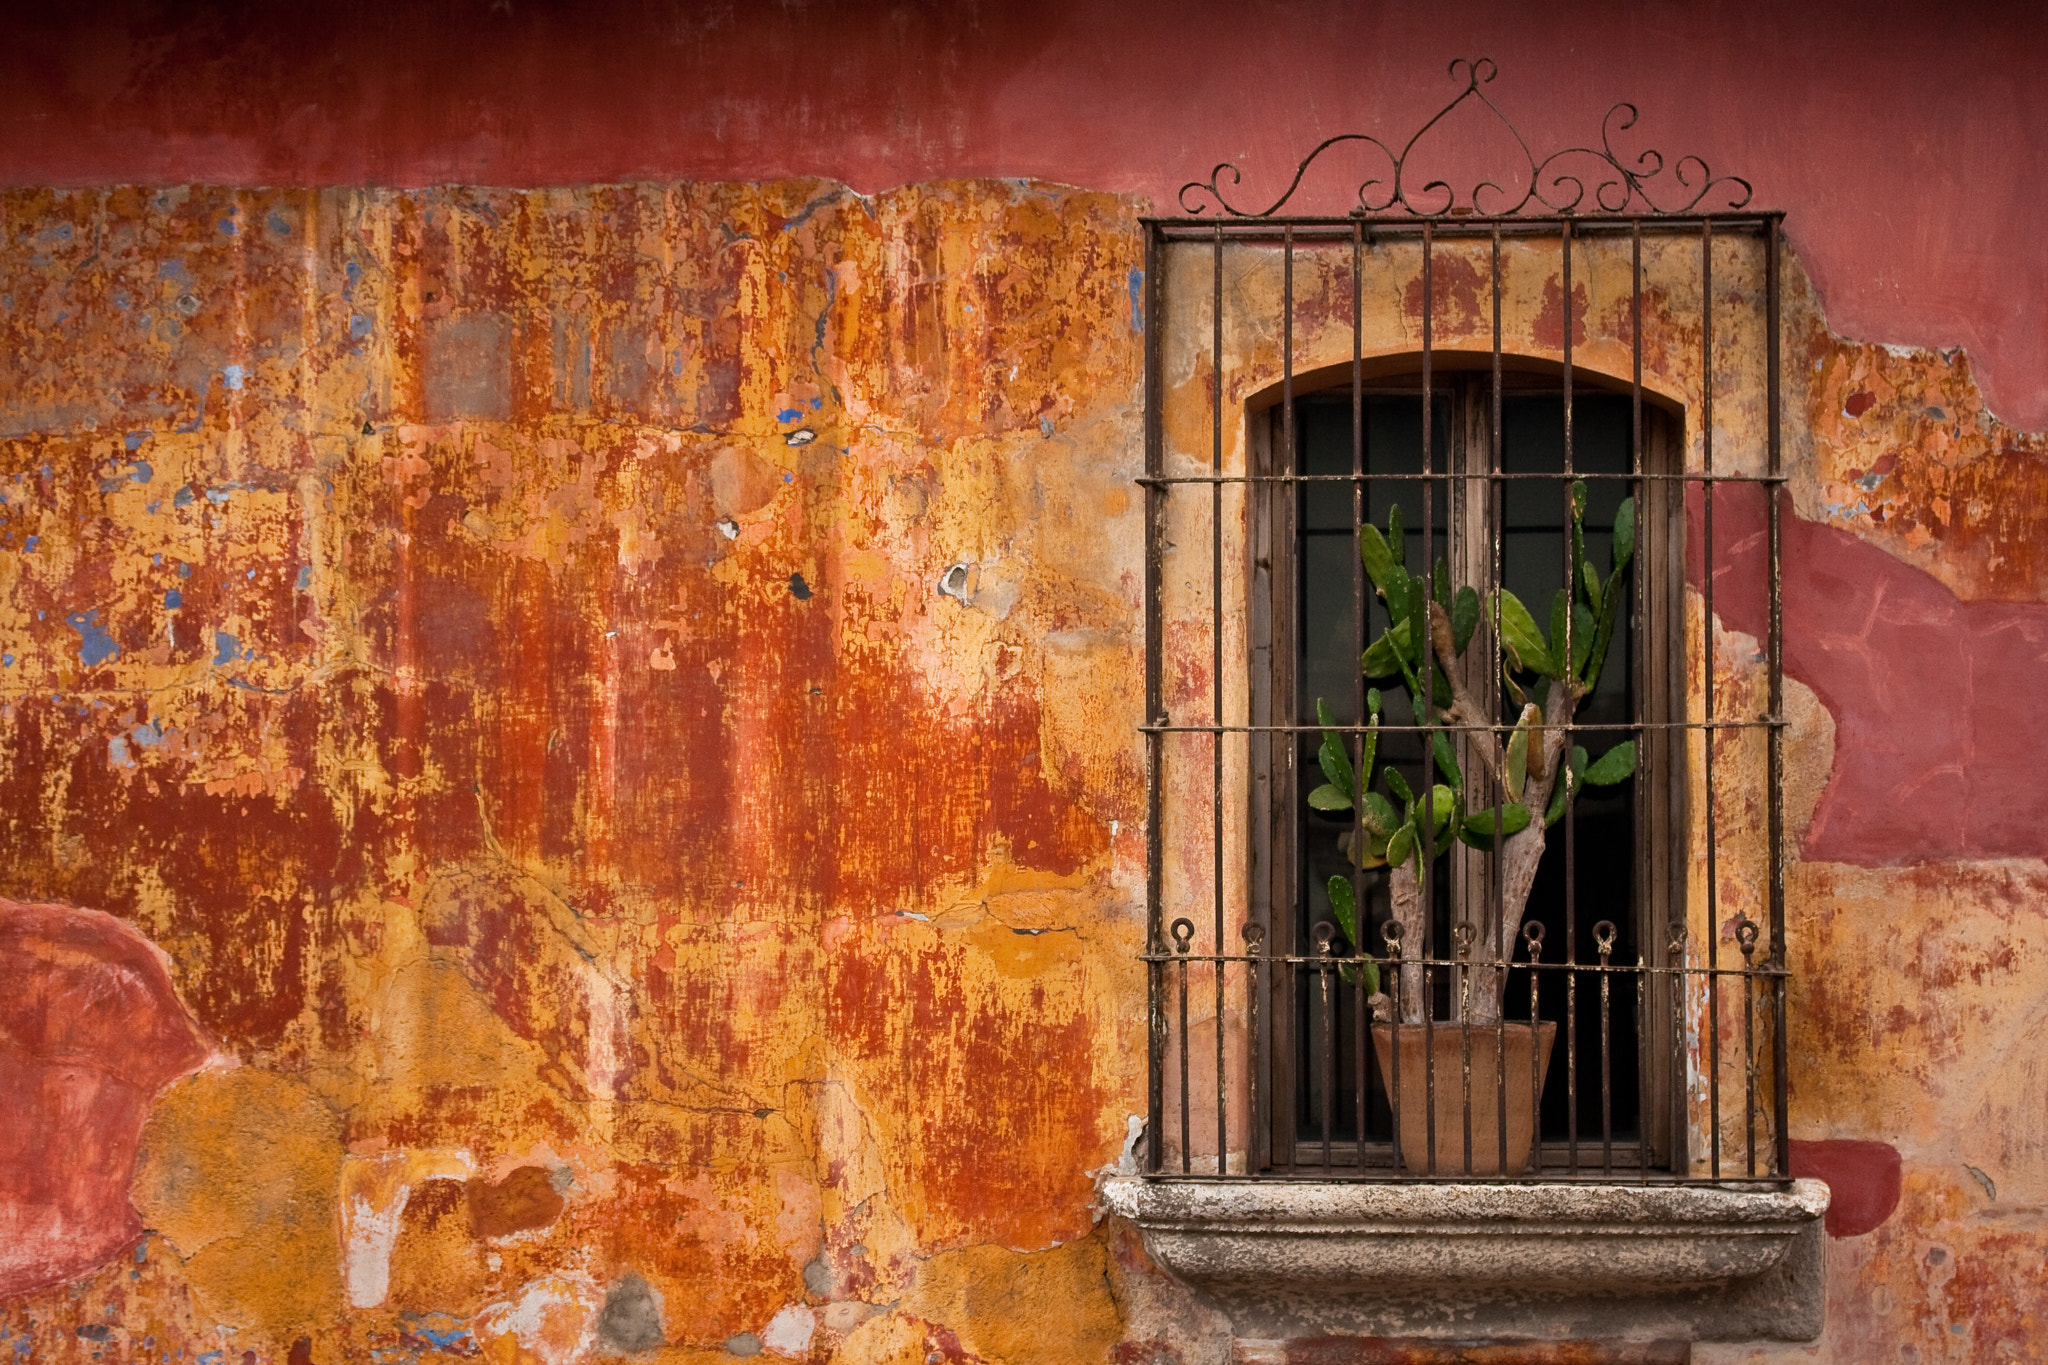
<point x="1285" y="1258"/>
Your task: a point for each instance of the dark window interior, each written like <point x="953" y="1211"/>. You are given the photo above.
<point x="1594" y="846"/>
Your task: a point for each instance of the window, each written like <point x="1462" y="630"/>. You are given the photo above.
<point x="1323" y="614"/>
<point x="1524" y="391"/>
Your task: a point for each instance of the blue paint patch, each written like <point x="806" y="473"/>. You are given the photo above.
<point x="817" y="403"/>
<point x="117" y="752"/>
<point x="28" y="547"/>
<point x="183" y="497"/>
<point x="6" y="661"/>
<point x="234" y="374"/>
<point x="446" y="1331"/>
<point x="174" y="270"/>
<point x="358" y="326"/>
<point x="278" y="225"/>
<point x="225" y="647"/>
<point x="95" y="645"/>
<point x="184" y="571"/>
<point x="134" y="439"/>
<point x="129" y="471"/>
<point x="1138" y="299"/>
<point x="305" y="577"/>
<point x="173" y="599"/>
<point x="213" y="1358"/>
<point x="148" y="736"/>
<point x="789" y="415"/>
<point x="786" y="478"/>
<point x="219" y="496"/>
<point x="354" y="272"/>
<point x="227" y="225"/>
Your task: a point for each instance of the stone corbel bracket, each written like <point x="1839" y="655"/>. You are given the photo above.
<point x="1469" y="1261"/>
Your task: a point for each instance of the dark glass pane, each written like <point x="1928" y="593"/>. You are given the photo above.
<point x="1331" y="588"/>
<point x="1597" y="839"/>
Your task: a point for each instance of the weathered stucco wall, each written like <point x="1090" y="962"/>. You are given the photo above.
<point x="573" y="882"/>
<point x="1903" y="143"/>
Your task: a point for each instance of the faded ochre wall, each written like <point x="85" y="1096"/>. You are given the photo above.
<point x="574" y="882"/>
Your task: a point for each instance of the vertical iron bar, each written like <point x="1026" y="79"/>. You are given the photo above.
<point x="1360" y="777"/>
<point x="1329" y="1032"/>
<point x="1642" y="1064"/>
<point x="1773" y="278"/>
<point x="1462" y="975"/>
<point x="1155" y="740"/>
<point x="1532" y="934"/>
<point x="1426" y="900"/>
<point x="1563" y="774"/>
<point x="1713" y="1059"/>
<point x="1397" y="979"/>
<point x="1288" y="465"/>
<point x="1254" y="983"/>
<point x="1606" y="946"/>
<point x="1639" y="594"/>
<point x="1186" y="1132"/>
<point x="1749" y="1061"/>
<point x="1496" y="519"/>
<point x="1216" y="683"/>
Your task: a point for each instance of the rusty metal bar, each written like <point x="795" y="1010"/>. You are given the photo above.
<point x="1450" y="727"/>
<point x="1324" y="932"/>
<point x="1745" y="936"/>
<point x="1496" y="521"/>
<point x="1774" y="421"/>
<point x="1455" y="476"/>
<point x="1216" y="675"/>
<point x="1603" y="942"/>
<point x="1183" y="933"/>
<point x="1639" y="636"/>
<point x="1563" y="776"/>
<point x="1311" y="227"/>
<point x="1425" y="897"/>
<point x="1360" y="616"/>
<point x="1707" y="675"/>
<point x="1155" y="740"/>
<point x="1532" y="938"/>
<point x="1255" y="942"/>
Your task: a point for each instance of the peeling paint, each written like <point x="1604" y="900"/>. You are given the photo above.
<point x="623" y="734"/>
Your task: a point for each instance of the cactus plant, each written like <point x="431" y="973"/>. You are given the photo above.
<point x="1544" y="677"/>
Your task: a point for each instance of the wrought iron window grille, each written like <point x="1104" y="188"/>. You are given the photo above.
<point x="1642" y="300"/>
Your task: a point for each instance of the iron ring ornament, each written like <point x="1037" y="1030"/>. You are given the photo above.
<point x="1556" y="183"/>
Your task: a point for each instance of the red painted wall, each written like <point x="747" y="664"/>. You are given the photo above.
<point x="1908" y="143"/>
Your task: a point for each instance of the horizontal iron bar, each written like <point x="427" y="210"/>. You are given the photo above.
<point x="1761" y="970"/>
<point x="1562" y="1174"/>
<point x="1439" y="476"/>
<point x="1321" y="227"/>
<point x="1167" y="727"/>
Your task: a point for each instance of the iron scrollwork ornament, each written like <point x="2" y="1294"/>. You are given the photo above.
<point x="1556" y="183"/>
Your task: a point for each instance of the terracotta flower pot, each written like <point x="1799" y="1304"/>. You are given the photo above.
<point x="1524" y="1085"/>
